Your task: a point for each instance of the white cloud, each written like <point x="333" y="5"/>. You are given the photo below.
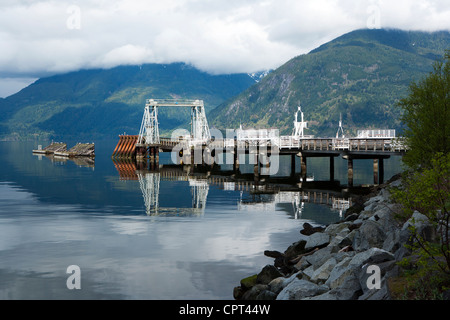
<point x="221" y="36"/>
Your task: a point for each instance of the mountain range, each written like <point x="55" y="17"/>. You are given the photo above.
<point x="103" y="103"/>
<point x="360" y="76"/>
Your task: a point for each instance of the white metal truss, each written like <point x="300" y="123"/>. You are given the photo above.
<point x="149" y="132"/>
<point x="340" y="129"/>
<point x="299" y="126"/>
<point x="149" y="183"/>
<point x="199" y="190"/>
<point x="199" y="125"/>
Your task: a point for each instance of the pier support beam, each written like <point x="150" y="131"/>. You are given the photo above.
<point x="293" y="165"/>
<point x="350" y="171"/>
<point x="236" y="160"/>
<point x="381" y="170"/>
<point x="331" y="168"/>
<point x="378" y="171"/>
<point x="375" y="171"/>
<point x="256" y="168"/>
<point x="303" y="165"/>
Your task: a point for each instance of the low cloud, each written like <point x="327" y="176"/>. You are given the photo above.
<point x="47" y="36"/>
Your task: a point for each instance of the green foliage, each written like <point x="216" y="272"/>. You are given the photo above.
<point x="426" y="185"/>
<point x="426" y="114"/>
<point x="428" y="192"/>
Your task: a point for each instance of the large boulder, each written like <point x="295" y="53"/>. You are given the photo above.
<point x="308" y="229"/>
<point x="322" y="273"/>
<point x="299" y="289"/>
<point x="370" y="235"/>
<point x="317" y="240"/>
<point x="421" y="225"/>
<point x="267" y="274"/>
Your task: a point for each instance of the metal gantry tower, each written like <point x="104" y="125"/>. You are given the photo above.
<point x="299" y="126"/>
<point x="340" y="129"/>
<point x="199" y="125"/>
<point x="149" y="132"/>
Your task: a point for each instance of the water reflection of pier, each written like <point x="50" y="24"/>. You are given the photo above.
<point x="262" y="195"/>
<point x="266" y="202"/>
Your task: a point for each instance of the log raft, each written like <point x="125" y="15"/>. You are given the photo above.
<point x="79" y="150"/>
<point x="52" y="148"/>
<point x="59" y="149"/>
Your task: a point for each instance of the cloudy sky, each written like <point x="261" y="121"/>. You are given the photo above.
<point x="44" y="37"/>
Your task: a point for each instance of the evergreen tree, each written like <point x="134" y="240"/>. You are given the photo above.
<point x="426" y="113"/>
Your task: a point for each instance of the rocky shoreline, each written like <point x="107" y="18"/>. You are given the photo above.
<point x="348" y="260"/>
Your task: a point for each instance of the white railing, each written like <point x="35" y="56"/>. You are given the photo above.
<point x="341" y="144"/>
<point x="376" y="133"/>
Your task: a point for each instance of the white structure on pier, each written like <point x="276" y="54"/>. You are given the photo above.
<point x="340" y="129"/>
<point x="149" y="132"/>
<point x="376" y="133"/>
<point x="299" y="126"/>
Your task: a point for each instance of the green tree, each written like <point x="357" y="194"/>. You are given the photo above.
<point x="426" y="183"/>
<point x="428" y="191"/>
<point x="426" y="114"/>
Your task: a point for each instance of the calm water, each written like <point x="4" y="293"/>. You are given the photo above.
<point x="157" y="237"/>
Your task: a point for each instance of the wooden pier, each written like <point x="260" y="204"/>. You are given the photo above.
<point x="350" y="149"/>
<point x="200" y="146"/>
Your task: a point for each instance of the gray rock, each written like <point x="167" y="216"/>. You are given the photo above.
<point x="335" y="228"/>
<point x="366" y="275"/>
<point x="373" y="255"/>
<point x="295" y="249"/>
<point x="348" y="290"/>
<point x="300" y="289"/>
<point x="318" y="239"/>
<point x="320" y="256"/>
<point x="422" y="226"/>
<point x="373" y="201"/>
<point x="267" y="274"/>
<point x="322" y="273"/>
<point x="266" y="295"/>
<point x="254" y="292"/>
<point x="278" y="284"/>
<point x="339" y="273"/>
<point x="370" y="235"/>
<point x="417" y="220"/>
<point x="377" y="294"/>
<point x="309" y="272"/>
<point x="386" y="218"/>
<point x="392" y="242"/>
